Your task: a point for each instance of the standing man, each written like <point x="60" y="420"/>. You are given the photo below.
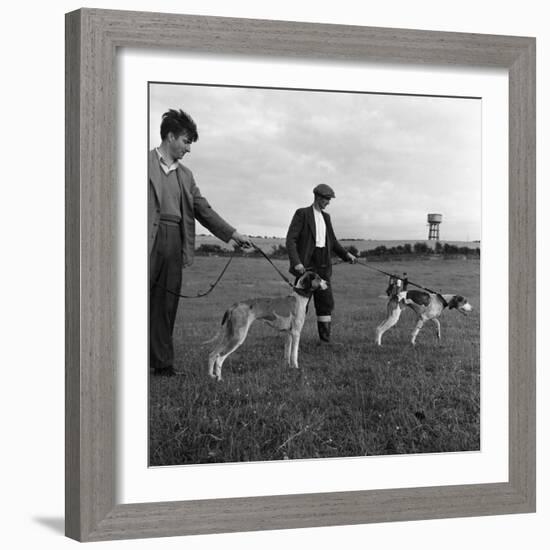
<point x="310" y="242"/>
<point x="175" y="202"/>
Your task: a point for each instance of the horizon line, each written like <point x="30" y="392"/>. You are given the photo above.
<point x="358" y="238"/>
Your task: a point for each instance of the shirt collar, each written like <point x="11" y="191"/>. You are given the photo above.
<point x="166" y="168"/>
<point x="316" y="210"/>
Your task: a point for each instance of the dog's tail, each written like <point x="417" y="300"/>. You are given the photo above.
<point x="218" y="335"/>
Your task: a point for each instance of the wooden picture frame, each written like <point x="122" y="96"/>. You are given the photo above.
<point x="92" y="39"/>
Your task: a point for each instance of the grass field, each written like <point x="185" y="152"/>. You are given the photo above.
<point x="352" y="399"/>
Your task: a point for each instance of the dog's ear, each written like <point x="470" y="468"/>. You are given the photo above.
<point x="456" y="300"/>
<point x="310" y="276"/>
<point x="304" y="282"/>
<point x="314" y="282"/>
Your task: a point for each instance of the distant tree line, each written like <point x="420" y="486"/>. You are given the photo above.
<point x="413" y="250"/>
<point x="418" y="249"/>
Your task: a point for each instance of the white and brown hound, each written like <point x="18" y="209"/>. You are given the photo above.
<point x="428" y="306"/>
<point x="286" y="314"/>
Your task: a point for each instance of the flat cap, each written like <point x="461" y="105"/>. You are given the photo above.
<point x="324" y="190"/>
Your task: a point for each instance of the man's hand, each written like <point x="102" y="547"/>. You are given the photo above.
<point x="300" y="269"/>
<point x="351" y="258"/>
<point x="241" y="240"/>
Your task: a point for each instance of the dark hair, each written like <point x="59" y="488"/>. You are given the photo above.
<point x="178" y="122"/>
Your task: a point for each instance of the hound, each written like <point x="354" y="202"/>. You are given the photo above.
<point x="428" y="306"/>
<point x="286" y="314"/>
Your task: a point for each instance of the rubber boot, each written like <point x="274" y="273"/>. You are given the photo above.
<point x="323" y="328"/>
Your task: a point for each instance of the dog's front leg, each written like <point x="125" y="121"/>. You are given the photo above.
<point x="288" y="346"/>
<point x="416" y="330"/>
<point x="215" y="366"/>
<point x="218" y="370"/>
<point x="295" y="342"/>
<point x="212" y="358"/>
<point x="438" y="327"/>
<point x="394" y="312"/>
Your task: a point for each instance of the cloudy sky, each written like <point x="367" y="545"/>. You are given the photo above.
<point x="390" y="159"/>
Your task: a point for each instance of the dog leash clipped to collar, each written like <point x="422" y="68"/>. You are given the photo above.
<point x="438" y="294"/>
<point x="283" y="276"/>
<point x="214" y="284"/>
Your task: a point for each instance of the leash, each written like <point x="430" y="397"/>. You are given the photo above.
<point x="214" y="284"/>
<point x="398" y="277"/>
<point x="283" y="276"/>
<point x="287" y="281"/>
<point x="200" y="294"/>
<point x="368" y="266"/>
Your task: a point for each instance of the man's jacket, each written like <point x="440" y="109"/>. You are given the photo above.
<point x="193" y="205"/>
<point x="300" y="239"/>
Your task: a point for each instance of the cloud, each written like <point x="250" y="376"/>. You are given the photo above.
<point x="391" y="159"/>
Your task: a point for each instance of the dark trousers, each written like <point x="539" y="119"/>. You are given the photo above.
<point x="322" y="299"/>
<point x="165" y="265"/>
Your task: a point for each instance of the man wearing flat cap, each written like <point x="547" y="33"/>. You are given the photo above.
<point x="310" y="242"/>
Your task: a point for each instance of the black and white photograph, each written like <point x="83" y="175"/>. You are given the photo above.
<point x="272" y="281"/>
<point x="314" y="274"/>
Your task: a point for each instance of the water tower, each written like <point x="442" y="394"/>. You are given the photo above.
<point x="434" y="220"/>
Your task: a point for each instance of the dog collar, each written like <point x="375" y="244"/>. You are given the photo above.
<point x="302" y="292"/>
